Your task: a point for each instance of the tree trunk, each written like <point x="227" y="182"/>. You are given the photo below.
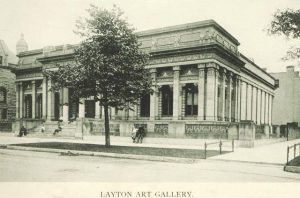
<point x="106" y="127"/>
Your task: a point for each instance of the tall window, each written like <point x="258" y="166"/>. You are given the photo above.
<point x="56" y="105"/>
<point x="28" y="106"/>
<point x="219" y="103"/>
<point x="1" y="60"/>
<point x="145" y="106"/>
<point x="3" y="114"/>
<point x="90" y="108"/>
<point x="167" y="100"/>
<point x="2" y="95"/>
<point x="73" y="106"/>
<point x="39" y="106"/>
<point x="191" y="102"/>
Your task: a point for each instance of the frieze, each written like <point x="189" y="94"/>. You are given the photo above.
<point x="161" y="129"/>
<point x="165" y="41"/>
<point x="167" y="79"/>
<point x="184" y="78"/>
<point x="198" y="130"/>
<point x="29" y="75"/>
<point x="174" y="59"/>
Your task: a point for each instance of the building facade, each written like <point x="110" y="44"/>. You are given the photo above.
<point x="7" y="88"/>
<point x="287" y="93"/>
<point x="203" y="88"/>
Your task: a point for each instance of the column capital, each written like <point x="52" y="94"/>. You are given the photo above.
<point x="201" y="66"/>
<point x="176" y="68"/>
<point x="212" y="65"/>
<point x="153" y="70"/>
<point x="33" y="82"/>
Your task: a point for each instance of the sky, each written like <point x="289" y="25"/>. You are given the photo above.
<point x="51" y="22"/>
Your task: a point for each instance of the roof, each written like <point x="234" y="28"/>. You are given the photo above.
<point x="186" y="26"/>
<point x="5" y="51"/>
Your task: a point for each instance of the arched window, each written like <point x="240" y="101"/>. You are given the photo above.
<point x="191" y="102"/>
<point x="167" y="100"/>
<point x="3" y="95"/>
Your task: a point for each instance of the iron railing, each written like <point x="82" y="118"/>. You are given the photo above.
<point x="220" y="144"/>
<point x="294" y="147"/>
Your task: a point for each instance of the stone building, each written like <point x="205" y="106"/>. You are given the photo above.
<point x="204" y="88"/>
<point x="7" y="87"/>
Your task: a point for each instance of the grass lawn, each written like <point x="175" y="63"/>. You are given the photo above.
<point x="295" y="162"/>
<point x="167" y="152"/>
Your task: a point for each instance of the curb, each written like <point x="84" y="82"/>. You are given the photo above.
<point x="248" y="162"/>
<point x="104" y="154"/>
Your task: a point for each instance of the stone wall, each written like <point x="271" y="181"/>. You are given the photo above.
<point x="7" y="82"/>
<point x="293" y="131"/>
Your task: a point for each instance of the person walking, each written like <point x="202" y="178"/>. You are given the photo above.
<point x="141" y="135"/>
<point x="134" y="133"/>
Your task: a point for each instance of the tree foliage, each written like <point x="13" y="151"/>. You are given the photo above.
<point x="108" y="63"/>
<point x="286" y="22"/>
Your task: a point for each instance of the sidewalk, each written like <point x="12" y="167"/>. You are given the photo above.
<point x="264" y="154"/>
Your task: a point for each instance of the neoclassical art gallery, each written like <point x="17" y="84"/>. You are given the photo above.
<point x="203" y="88"/>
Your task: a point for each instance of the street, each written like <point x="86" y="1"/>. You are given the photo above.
<point x="28" y="166"/>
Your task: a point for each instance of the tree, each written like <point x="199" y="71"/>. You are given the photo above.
<point x="287" y="23"/>
<point x="108" y="63"/>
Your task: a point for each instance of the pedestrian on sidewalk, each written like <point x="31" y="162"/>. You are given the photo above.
<point x="140" y="135"/>
<point x="23" y="131"/>
<point x="134" y="133"/>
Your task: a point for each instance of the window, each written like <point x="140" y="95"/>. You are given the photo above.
<point x="28" y="106"/>
<point x="1" y="60"/>
<point x="167" y="100"/>
<point x="2" y="95"/>
<point x="145" y="106"/>
<point x="191" y="102"/>
<point x="90" y="108"/>
<point x="3" y="114"/>
<point x="39" y="106"/>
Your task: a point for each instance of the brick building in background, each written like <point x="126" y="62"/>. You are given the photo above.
<point x="287" y="100"/>
<point x="8" y="60"/>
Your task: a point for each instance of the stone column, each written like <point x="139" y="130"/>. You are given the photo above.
<point x="270" y="109"/>
<point x="201" y="91"/>
<point x="21" y="100"/>
<point x="97" y="109"/>
<point x="249" y="102"/>
<point x="237" y="99"/>
<point x="17" y="100"/>
<point x="211" y="92"/>
<point x="229" y="95"/>
<point x="50" y="104"/>
<point x="44" y="95"/>
<point x="243" y="100"/>
<point x="223" y="94"/>
<point x="81" y="108"/>
<point x="176" y="86"/>
<point x="267" y="109"/>
<point x="254" y="107"/>
<point x="263" y="106"/>
<point x="153" y="95"/>
<point x="258" y="119"/>
<point x="65" y="104"/>
<point x="33" y="96"/>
